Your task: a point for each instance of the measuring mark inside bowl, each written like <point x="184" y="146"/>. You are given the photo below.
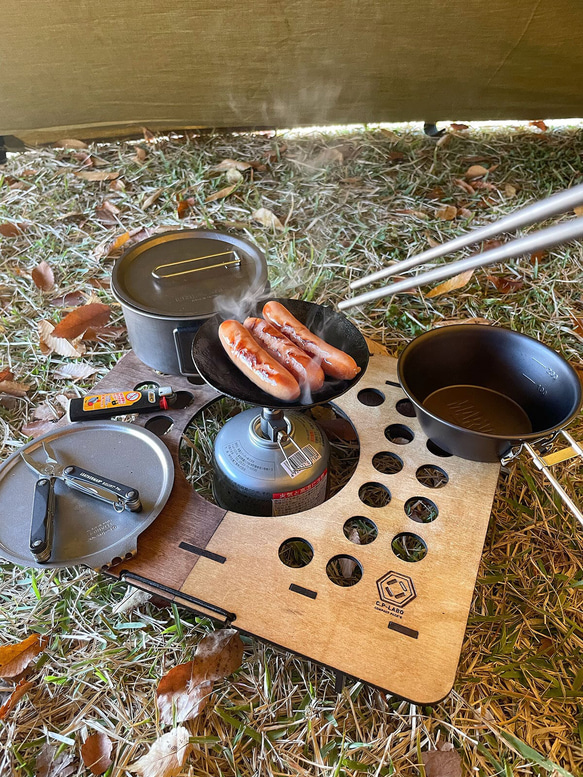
<point x="479" y="409"/>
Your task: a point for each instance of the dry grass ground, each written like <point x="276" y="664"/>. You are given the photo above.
<point x="349" y="202"/>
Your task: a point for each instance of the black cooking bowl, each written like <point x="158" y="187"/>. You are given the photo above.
<point x="480" y="390"/>
<point x="219" y="371"/>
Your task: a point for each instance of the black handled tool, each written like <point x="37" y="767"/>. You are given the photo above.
<point x="119" y="496"/>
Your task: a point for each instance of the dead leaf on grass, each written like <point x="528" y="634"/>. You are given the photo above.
<point x="505" y="283"/>
<point x="578" y="211"/>
<point x="451" y="284"/>
<point x="134" y="597"/>
<point x="458" y="127"/>
<point x="456" y="321"/>
<point x="47" y="412"/>
<point x="166" y="756"/>
<point x="49" y="343"/>
<point x="15" y="658"/>
<point x="49" y="764"/>
<point x="234" y="176"/>
<point x="43" y="277"/>
<point x="184" y="206"/>
<point x="96" y="753"/>
<point x="267" y="218"/>
<point x="99" y="333"/>
<point x="16" y="695"/>
<point x="14" y="389"/>
<point x="71" y="299"/>
<point x="75" y="371"/>
<point x="446" y="212"/>
<point x="149" y="136"/>
<point x="539" y="124"/>
<point x="465" y="186"/>
<point x="578" y="325"/>
<point x="10" y="230"/>
<point x="221" y="194"/>
<point x="80" y="319"/>
<point x="107" y="213"/>
<point x="231" y="164"/>
<point x="97" y="175"/>
<point x="36" y="428"/>
<point x="6" y="374"/>
<point x="151" y="199"/>
<point x="510" y="190"/>
<point x="141" y="154"/>
<point x="184" y="691"/>
<point x="442" y="763"/>
<point x="475" y="171"/>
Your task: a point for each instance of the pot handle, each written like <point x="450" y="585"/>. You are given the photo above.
<point x="183" y="338"/>
<point x="543" y="463"/>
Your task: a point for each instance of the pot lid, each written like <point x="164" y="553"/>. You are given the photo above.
<point x="182" y="274"/>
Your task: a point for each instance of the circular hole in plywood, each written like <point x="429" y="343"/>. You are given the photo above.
<point x="182" y="399"/>
<point x="196" y="380"/>
<point x="360" y="530"/>
<point x="344" y="570"/>
<point x="431" y="476"/>
<point x="374" y="494"/>
<point x="409" y="547"/>
<point x="388" y="463"/>
<point x="145" y="385"/>
<point x="405" y="407"/>
<point x="371" y="397"/>
<point x="197" y="442"/>
<point x="421" y="509"/>
<point x="295" y="553"/>
<point x="432" y="447"/>
<point x="159" y="425"/>
<point x="399" y="434"/>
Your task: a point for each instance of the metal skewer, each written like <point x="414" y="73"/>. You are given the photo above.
<point x="537" y="241"/>
<point x="539" y="211"/>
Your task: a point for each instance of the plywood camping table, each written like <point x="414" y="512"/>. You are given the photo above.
<point x="401" y="627"/>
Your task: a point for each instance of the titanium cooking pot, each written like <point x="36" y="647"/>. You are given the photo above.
<point x="169" y="284"/>
<point x="484" y="393"/>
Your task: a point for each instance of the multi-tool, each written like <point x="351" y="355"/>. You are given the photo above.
<point x="120" y="497"/>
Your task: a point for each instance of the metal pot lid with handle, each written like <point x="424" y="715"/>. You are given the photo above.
<point x="181" y="274"/>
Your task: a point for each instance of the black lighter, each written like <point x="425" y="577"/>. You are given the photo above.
<point x="120" y="402"/>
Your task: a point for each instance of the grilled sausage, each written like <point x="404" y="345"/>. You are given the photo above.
<point x="255" y="363"/>
<point x="304" y="368"/>
<point x="333" y="361"/>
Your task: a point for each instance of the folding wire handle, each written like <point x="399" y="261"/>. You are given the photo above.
<point x="227" y="263"/>
<point x="544" y="463"/>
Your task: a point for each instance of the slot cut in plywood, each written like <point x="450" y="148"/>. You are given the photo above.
<point x="391" y="612"/>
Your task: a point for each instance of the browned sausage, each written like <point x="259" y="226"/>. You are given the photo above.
<point x="304" y="368"/>
<point x="334" y="362"/>
<point x="254" y="362"/>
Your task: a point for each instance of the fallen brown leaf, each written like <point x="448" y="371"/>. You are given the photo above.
<point x="505" y="283"/>
<point x="488" y="245"/>
<point x="14" y="389"/>
<point x="267" y="218"/>
<point x="36" y="428"/>
<point x="509" y="190"/>
<point x="49" y="764"/>
<point x="47" y="412"/>
<point x="465" y="213"/>
<point x="539" y="124"/>
<point x="458" y="127"/>
<point x="96" y="753"/>
<point x="234" y="176"/>
<point x="578" y="211"/>
<point x="436" y="193"/>
<point x="107" y="213"/>
<point x="15" y="658"/>
<point x="538" y="256"/>
<point x="43" y="277"/>
<point x="117" y="185"/>
<point x="465" y="186"/>
<point x="80" y="319"/>
<point x="221" y="194"/>
<point x="141" y="154"/>
<point x="166" y="757"/>
<point x="184" y="691"/>
<point x="60" y="345"/>
<point x="10" y="230"/>
<point x="15" y="697"/>
<point x="442" y="763"/>
<point x="231" y="164"/>
<point x="97" y="175"/>
<point x="446" y="212"/>
<point x="475" y="171"/>
<point x="149" y="136"/>
<point x="578" y="325"/>
<point x="100" y="333"/>
<point x="75" y="371"/>
<point x="184" y="206"/>
<point x="133" y="597"/>
<point x="6" y="374"/>
<point x="455" y="321"/>
<point x="451" y="284"/>
<point x="151" y="199"/>
<point x="71" y="299"/>
<point x="70" y="143"/>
